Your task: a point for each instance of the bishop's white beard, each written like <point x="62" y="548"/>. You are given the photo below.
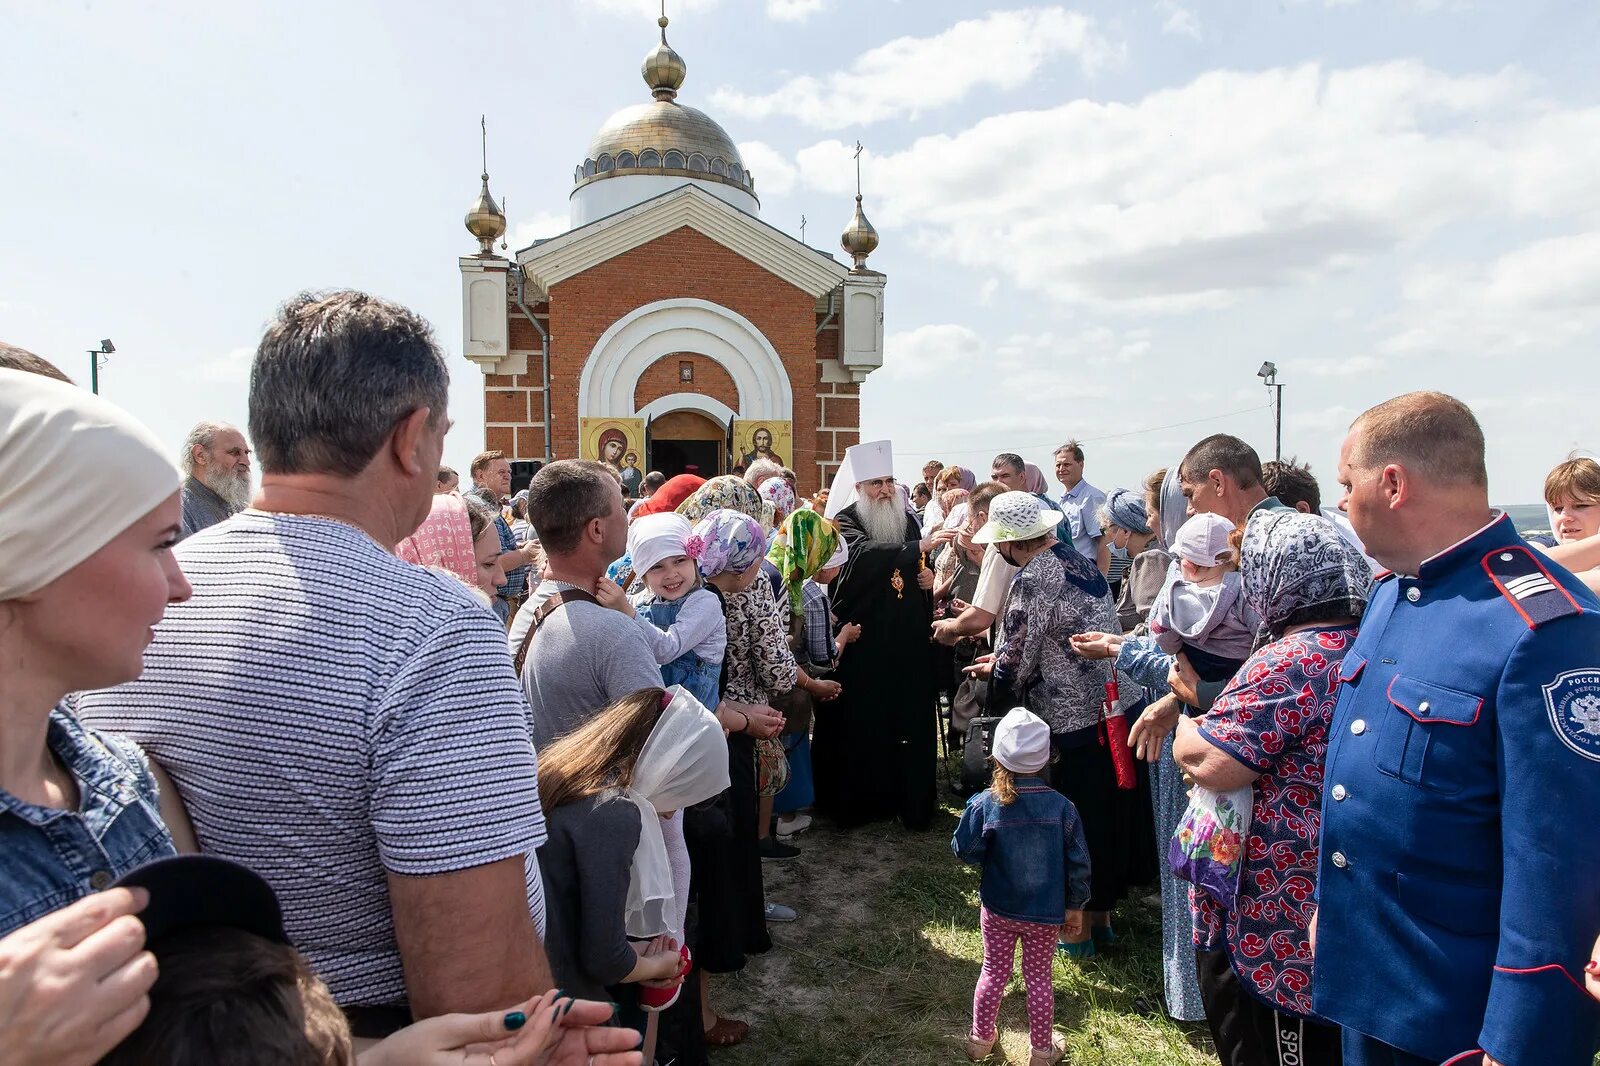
<point x="885" y="520"/>
<point x="233" y="487"/>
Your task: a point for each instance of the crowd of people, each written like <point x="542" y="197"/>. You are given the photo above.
<point x="353" y="765"/>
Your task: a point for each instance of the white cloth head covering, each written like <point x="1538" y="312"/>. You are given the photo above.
<point x="656" y="537"/>
<point x="862" y="462"/>
<point x="75" y="471"/>
<point x="1203" y="539"/>
<point x="684" y="761"/>
<point x="840" y="556"/>
<point x="1022" y="742"/>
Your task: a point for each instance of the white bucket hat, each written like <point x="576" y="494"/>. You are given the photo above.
<point x="1016" y="516"/>
<point x="1022" y="742"/>
<point x="1203" y="539"/>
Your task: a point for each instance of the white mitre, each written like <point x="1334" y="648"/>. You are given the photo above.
<point x="862" y="462"/>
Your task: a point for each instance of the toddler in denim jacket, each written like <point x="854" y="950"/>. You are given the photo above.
<point x="1029" y="840"/>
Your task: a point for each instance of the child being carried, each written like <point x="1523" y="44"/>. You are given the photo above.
<point x="678" y="615"/>
<point x="1202" y="613"/>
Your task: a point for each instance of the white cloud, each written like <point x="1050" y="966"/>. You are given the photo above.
<point x="793" y="10"/>
<point x="910" y="75"/>
<point x="1180" y="20"/>
<point x="772" y="170"/>
<point x="1236" y="181"/>
<point x="1526" y="303"/>
<point x="539" y="226"/>
<point x="232" y="368"/>
<point x="927" y="350"/>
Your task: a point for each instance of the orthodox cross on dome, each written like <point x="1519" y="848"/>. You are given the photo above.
<point x="859" y="150"/>
<point x="485" y="220"/>
<point x="802" y="229"/>
<point x="859" y="238"/>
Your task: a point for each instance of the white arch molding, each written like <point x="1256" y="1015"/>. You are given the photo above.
<point x="689" y="401"/>
<point x="636" y="340"/>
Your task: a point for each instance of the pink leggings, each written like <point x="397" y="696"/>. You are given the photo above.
<point x="1000" y="936"/>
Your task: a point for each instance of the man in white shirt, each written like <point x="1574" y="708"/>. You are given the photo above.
<point x="1081" y="504"/>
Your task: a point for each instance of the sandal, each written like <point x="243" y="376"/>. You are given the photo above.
<point x="726" y="1033"/>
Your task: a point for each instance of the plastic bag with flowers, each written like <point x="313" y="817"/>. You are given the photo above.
<point x="1207" y="850"/>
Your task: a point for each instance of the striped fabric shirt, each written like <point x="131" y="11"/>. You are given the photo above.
<point x="332" y="714"/>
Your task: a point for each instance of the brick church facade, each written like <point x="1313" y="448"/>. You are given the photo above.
<point x="671" y="306"/>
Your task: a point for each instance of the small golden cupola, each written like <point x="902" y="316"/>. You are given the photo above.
<point x="485" y="220"/>
<point x="859" y="238"/>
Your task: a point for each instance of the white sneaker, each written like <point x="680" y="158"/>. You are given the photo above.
<point x="797" y="824"/>
<point x="777" y="912"/>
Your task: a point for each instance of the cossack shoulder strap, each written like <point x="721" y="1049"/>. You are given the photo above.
<point x="545" y="610"/>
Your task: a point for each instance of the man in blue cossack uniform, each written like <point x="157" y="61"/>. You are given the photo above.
<point x="1459" y="888"/>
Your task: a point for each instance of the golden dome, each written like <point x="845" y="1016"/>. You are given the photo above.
<point x="664" y="136"/>
<point x="859" y="238"/>
<point x="663" y="69"/>
<point x="485" y="220"/>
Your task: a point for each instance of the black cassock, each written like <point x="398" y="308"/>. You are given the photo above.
<point x="874" y="749"/>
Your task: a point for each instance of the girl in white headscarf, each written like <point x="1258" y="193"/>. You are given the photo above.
<point x="89" y="512"/>
<point x="616" y="908"/>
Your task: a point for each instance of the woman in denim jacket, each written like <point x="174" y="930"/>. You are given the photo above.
<point x="89" y="510"/>
<point x="1029" y="841"/>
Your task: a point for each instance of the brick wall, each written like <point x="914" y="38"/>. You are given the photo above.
<point x="513" y="404"/>
<point x="660" y="379"/>
<point x="684" y="264"/>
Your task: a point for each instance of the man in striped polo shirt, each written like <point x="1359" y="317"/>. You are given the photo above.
<point x="346" y="724"/>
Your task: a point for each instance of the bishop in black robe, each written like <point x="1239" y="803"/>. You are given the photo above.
<point x="874" y="749"/>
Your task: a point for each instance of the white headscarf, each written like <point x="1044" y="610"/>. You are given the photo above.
<point x="75" y="471"/>
<point x="684" y="761"/>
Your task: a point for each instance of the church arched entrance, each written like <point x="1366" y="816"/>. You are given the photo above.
<point x="686" y="442"/>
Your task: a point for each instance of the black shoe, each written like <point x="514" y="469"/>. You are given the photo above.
<point x="773" y="848"/>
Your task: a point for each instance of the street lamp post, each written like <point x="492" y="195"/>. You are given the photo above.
<point x="1269" y="377"/>
<point x="106" y="348"/>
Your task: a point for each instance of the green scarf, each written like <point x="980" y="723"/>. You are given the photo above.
<point x="803" y="545"/>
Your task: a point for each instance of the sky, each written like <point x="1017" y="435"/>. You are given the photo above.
<point x="1097" y="219"/>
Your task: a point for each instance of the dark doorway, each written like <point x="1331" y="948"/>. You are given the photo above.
<point x="671" y="456"/>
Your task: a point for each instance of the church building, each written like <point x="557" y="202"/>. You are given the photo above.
<point x="670" y="328"/>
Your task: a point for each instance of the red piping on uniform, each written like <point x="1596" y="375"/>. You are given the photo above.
<point x="1541" y="969"/>
<point x="1465" y="1056"/>
<point x="1484" y="562"/>
<point x="1476" y="711"/>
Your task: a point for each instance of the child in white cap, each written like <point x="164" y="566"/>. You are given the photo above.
<point x="1029" y="841"/>
<point x="1202" y="612"/>
<point x="680" y="618"/>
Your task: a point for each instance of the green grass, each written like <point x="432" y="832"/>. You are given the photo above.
<point x="880" y="967"/>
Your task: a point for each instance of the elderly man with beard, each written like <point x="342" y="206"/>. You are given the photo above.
<point x="216" y="476"/>
<point x="873" y="751"/>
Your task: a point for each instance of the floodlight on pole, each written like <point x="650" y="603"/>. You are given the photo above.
<point x="1269" y="377"/>
<point x="106" y="348"/>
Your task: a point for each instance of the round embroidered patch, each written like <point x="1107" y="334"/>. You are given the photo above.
<point x="1573" y="700"/>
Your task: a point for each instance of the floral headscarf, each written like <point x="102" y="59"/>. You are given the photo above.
<point x="726" y="493"/>
<point x="1295" y="566"/>
<point x="444" y="540"/>
<point x="777" y="492"/>
<point x="671" y="494"/>
<point x="731" y="540"/>
<point x="803" y="545"/>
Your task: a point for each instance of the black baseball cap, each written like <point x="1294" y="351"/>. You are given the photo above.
<point x="188" y="891"/>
